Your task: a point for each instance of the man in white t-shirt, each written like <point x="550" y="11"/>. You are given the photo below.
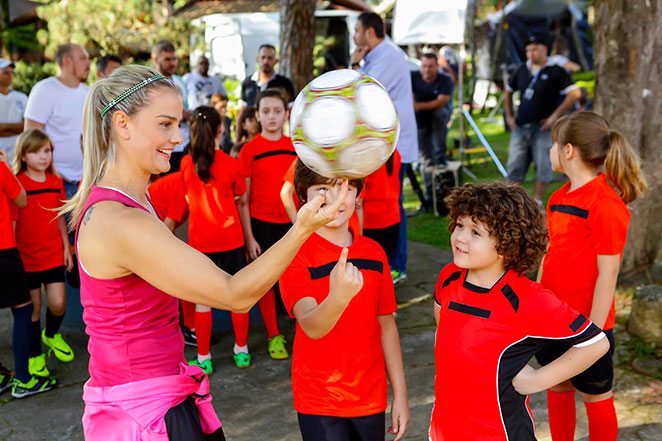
<point x="165" y="60"/>
<point x="12" y="107"/>
<point x="55" y="105"/>
<point x="200" y="87"/>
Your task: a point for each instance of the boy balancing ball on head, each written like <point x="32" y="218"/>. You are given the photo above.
<point x="491" y="319"/>
<point x="340" y="291"/>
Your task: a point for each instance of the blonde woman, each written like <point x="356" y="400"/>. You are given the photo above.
<point x="133" y="269"/>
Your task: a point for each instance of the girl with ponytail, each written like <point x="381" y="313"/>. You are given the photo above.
<point x="133" y="269"/>
<point x="212" y="184"/>
<point x="588" y="223"/>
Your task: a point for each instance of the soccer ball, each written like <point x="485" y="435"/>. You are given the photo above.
<point x="344" y="125"/>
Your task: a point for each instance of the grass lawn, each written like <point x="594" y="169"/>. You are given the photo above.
<point x="431" y="229"/>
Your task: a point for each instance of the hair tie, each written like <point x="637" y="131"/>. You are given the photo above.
<point x="202" y="115"/>
<point x="129" y="91"/>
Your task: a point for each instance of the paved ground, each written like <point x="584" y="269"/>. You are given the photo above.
<point x="257" y="403"/>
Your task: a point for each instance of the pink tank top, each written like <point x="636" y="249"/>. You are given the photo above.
<point x="133" y="326"/>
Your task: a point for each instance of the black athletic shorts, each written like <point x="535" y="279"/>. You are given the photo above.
<point x="268" y="233"/>
<point x="229" y="261"/>
<point x="37" y="278"/>
<point x="597" y="379"/>
<point x="183" y="424"/>
<point x="386" y="237"/>
<point x="329" y="428"/>
<point x="13" y="283"/>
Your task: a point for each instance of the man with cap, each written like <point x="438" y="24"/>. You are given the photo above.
<point x="12" y="108"/>
<point x="542" y="87"/>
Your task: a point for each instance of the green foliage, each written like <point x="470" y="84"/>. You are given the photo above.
<point x="27" y="75"/>
<point x="124" y="27"/>
<point x="636" y="348"/>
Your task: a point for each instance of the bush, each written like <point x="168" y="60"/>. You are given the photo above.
<point x="27" y="75"/>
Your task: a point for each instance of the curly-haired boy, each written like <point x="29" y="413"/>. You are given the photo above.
<point x="491" y="319"/>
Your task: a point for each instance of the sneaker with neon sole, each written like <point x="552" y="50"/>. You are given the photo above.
<point x="276" y="348"/>
<point x="206" y="366"/>
<point x="35" y="385"/>
<point x="6" y="379"/>
<point x="398" y="276"/>
<point x="37" y="366"/>
<point x="58" y="346"/>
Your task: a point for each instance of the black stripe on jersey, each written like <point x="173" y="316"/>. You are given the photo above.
<point x="577" y="323"/>
<point x="42" y="190"/>
<point x="570" y="209"/>
<point x="512" y="297"/>
<point x="456" y="275"/>
<point x="471" y="310"/>
<point x="475" y="288"/>
<point x="273" y="153"/>
<point x="517" y="420"/>
<point x="320" y="272"/>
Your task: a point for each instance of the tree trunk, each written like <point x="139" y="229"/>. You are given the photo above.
<point x="297" y="40"/>
<point x="5" y="43"/>
<point x="628" y="68"/>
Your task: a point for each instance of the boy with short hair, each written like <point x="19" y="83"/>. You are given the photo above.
<point x="340" y="291"/>
<point x="264" y="161"/>
<point x="491" y="319"/>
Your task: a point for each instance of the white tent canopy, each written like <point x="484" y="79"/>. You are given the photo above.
<point x="429" y="21"/>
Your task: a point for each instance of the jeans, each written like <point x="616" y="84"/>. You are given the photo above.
<point x="529" y="143"/>
<point x="399" y="260"/>
<point x="432" y="147"/>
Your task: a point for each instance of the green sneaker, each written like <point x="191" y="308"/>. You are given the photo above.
<point x="37" y="366"/>
<point x="35" y="385"/>
<point x="58" y="346"/>
<point x="398" y="276"/>
<point x="276" y="348"/>
<point x="206" y="366"/>
<point x="242" y="359"/>
<point x="6" y="379"/>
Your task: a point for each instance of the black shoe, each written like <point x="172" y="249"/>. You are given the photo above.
<point x="189" y="337"/>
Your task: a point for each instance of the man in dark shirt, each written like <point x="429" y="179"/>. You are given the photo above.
<point x="432" y="92"/>
<point x="266" y="77"/>
<point x="541" y="88"/>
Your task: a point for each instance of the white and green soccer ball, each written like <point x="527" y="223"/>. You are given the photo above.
<point x="344" y="124"/>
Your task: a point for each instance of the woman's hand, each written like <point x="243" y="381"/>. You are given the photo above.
<point x="316" y="213"/>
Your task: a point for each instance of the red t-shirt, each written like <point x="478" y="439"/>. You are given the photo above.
<point x="213" y="222"/>
<point x="341" y="374"/>
<point x="589" y="221"/>
<point x="265" y="163"/>
<point x="9" y="190"/>
<point x="354" y="223"/>
<point x="484" y="338"/>
<point x="381" y="193"/>
<point x="38" y="237"/>
<point x="167" y="196"/>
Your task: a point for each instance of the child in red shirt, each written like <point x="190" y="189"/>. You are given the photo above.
<point x="42" y="241"/>
<point x="167" y="196"/>
<point x="491" y="319"/>
<point x="211" y="183"/>
<point x="14" y="292"/>
<point x="381" y="209"/>
<point x="339" y="289"/>
<point x="264" y="162"/>
<point x="588" y="224"/>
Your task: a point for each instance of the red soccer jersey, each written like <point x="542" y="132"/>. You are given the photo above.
<point x="583" y="223"/>
<point x="9" y="190"/>
<point x="38" y="237"/>
<point x="213" y="222"/>
<point x="380" y="197"/>
<point x="265" y="163"/>
<point x="484" y="338"/>
<point x="341" y="374"/>
<point x="167" y="196"/>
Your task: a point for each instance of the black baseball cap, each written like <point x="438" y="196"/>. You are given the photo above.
<point x="535" y="39"/>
